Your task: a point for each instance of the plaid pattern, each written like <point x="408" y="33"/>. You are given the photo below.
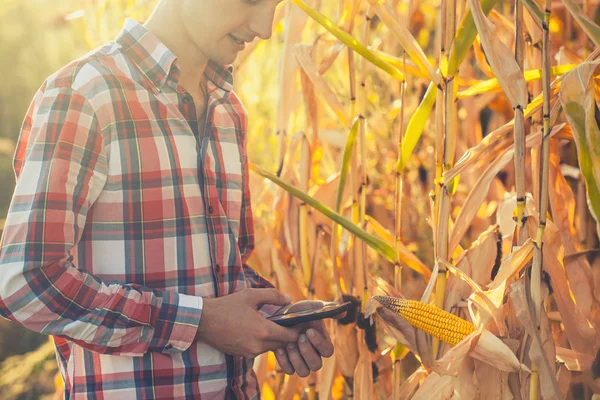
<point x="125" y="215"/>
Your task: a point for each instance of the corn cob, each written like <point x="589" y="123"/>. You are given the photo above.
<point x="438" y="323"/>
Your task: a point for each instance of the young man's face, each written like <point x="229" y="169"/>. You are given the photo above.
<point x="220" y="29"/>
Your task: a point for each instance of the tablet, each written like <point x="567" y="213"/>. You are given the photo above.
<point x="288" y="317"/>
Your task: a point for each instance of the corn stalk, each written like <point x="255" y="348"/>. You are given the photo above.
<point x="519" y="130"/>
<point x="446" y="140"/>
<point x="536" y="270"/>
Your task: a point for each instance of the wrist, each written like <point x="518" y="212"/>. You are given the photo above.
<point x="205" y="321"/>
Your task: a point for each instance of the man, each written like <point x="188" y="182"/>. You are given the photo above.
<point x="130" y="226"/>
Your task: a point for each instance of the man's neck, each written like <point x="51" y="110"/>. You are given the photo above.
<point x="164" y="24"/>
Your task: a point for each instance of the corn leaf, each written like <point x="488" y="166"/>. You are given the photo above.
<point x="346" y="162"/>
<point x="500" y="58"/>
<point x="463" y="40"/>
<point x="465" y="35"/>
<point x="399" y="27"/>
<point x="350" y="41"/>
<point x="295" y="21"/>
<point x="581" y="336"/>
<point x="405" y="256"/>
<point x="525" y="313"/>
<point x="408" y="65"/>
<point x="535" y="11"/>
<point x="381" y="247"/>
<point x="578" y="86"/>
<point x="415" y="127"/>
<point x="588" y="26"/>
<point x="301" y="52"/>
<point x="492" y="85"/>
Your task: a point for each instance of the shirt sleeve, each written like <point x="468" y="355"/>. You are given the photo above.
<point x="61" y="169"/>
<point x="246" y="232"/>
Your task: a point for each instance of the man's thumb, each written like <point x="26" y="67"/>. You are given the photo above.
<point x="268" y="296"/>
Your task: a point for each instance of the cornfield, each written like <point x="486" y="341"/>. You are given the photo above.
<point x="437" y="163"/>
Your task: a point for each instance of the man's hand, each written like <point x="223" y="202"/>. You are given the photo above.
<point x="306" y="354"/>
<point x="233" y="325"/>
<point x="313" y="344"/>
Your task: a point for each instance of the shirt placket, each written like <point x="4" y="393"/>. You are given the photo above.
<point x="209" y="194"/>
<point x="209" y="188"/>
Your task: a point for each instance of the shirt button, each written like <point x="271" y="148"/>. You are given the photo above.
<point x="210" y="209"/>
<point x="218" y="267"/>
<point x="186" y="99"/>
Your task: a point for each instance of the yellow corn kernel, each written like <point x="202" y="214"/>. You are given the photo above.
<point x="438" y="323"/>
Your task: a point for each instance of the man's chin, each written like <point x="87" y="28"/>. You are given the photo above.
<point x="224" y="59"/>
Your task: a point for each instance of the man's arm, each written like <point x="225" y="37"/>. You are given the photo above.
<point x="60" y="174"/>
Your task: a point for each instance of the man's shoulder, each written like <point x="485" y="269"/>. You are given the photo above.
<point x="90" y="74"/>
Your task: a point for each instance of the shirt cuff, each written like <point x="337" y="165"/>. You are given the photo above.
<point x="177" y="322"/>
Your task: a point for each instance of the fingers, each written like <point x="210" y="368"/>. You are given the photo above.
<point x="297" y="360"/>
<point x="284" y="361"/>
<point x="311" y="357"/>
<point x="320" y="341"/>
<point x="257" y="297"/>
<point x="279" y="334"/>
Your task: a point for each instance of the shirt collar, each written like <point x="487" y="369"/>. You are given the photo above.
<point x="154" y="59"/>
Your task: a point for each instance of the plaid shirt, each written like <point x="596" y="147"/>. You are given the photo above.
<point x="125" y="215"/>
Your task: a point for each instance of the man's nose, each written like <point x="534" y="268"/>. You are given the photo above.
<point x="262" y="24"/>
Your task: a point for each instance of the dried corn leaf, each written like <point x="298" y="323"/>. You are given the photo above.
<point x="405" y="256"/>
<point x="349" y="40"/>
<point x="480" y="189"/>
<point x="524" y="310"/>
<point x="476" y="262"/>
<point x="574" y="360"/>
<point x="498" y="140"/>
<point x="346" y="348"/>
<point x="400" y="328"/>
<point x="399" y="27"/>
<point x="578" y="85"/>
<point x="465" y="35"/>
<point x="500" y="58"/>
<point x="513" y="263"/>
<point x="535" y="11"/>
<point x="451" y="362"/>
<point x="465" y="386"/>
<point x="326" y="194"/>
<point x="290" y="388"/>
<point x="332" y="52"/>
<point x="581" y="336"/>
<point x="377" y="244"/>
<point x="435" y="387"/>
<point x="363" y="374"/>
<point x="301" y="52"/>
<point x="562" y="202"/>
<point x="493" y="351"/>
<point x="588" y="26"/>
<point x="409" y="386"/>
<point x="295" y="20"/>
<point x="483" y="300"/>
<point x="563" y="377"/>
<point x="286" y="281"/>
<point x="492" y="381"/>
<point x="326" y="375"/>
